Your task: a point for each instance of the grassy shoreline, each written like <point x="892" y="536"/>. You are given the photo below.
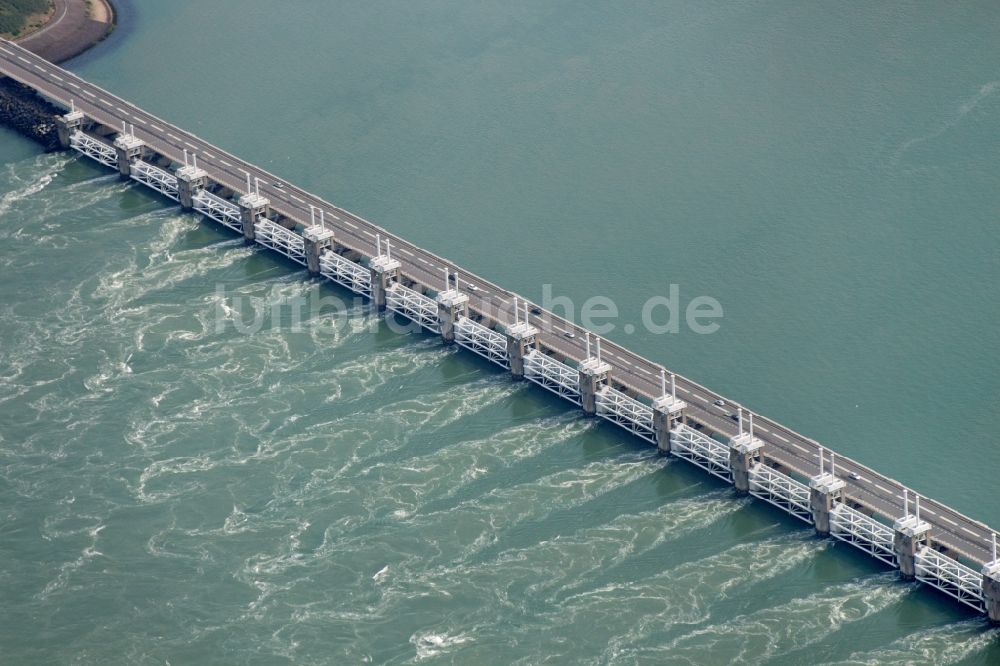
<point x="20" y="18"/>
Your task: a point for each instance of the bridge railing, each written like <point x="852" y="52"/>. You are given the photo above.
<point x="414" y="306"/>
<point x="781" y="490"/>
<point x="154" y="177"/>
<point x="483" y="341"/>
<point x="863" y="532"/>
<point x="951" y="577"/>
<point x="93" y="148"/>
<point x="281" y="240"/>
<point x="346" y="273"/>
<point x="552" y="375"/>
<point x="224" y="212"/>
<point x="627" y="412"/>
<point x="701" y="450"/>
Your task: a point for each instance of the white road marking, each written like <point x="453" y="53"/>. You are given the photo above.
<point x="156" y="127"/>
<point x="349" y="223"/>
<point x="40" y="68"/>
<point x="226" y="163"/>
<point x="421" y="260"/>
<point x="883" y="489"/>
<point x="190" y="145"/>
<point x="89" y="94"/>
<point x="5" y="51"/>
<point x="368" y="233"/>
<point x="800" y="448"/>
<point x="74" y="85"/>
<point x="763" y="429"/>
<point x="23" y="59"/>
<point x="208" y="154"/>
<point x="302" y="201"/>
<point x="703" y="399"/>
<point x="928" y="511"/>
<point x="780" y="437"/>
<point x="172" y="136"/>
<point x="140" y="120"/>
<point x="406" y="252"/>
<point x="103" y="101"/>
<point x="949" y="521"/>
<point x="966" y="529"/>
<point x="56" y="77"/>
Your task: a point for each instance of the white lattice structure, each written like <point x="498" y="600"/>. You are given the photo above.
<point x="951" y="577"/>
<point x="483" y="341"/>
<point x="93" y="148"/>
<point x="154" y="177"/>
<point x="701" y="450"/>
<point x="550" y="374"/>
<point x="627" y="412"/>
<point x="863" y="532"/>
<point x="346" y="273"/>
<point x="781" y="490"/>
<point x="414" y="306"/>
<point x="215" y="207"/>
<point x="281" y="240"/>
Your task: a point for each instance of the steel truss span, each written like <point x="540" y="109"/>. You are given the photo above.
<point x="781" y="490"/>
<point x="627" y="412"/>
<point x="414" y="306"/>
<point x="701" y="450"/>
<point x="93" y="148"/>
<point x="552" y="375"/>
<point x="483" y="341"/>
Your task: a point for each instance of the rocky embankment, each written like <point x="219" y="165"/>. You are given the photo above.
<point x="22" y="110"/>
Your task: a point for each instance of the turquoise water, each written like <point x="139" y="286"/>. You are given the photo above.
<point x="338" y="493"/>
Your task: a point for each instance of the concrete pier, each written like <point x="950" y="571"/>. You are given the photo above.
<point x="825" y="490"/>
<point x="252" y="208"/>
<point x="668" y="411"/>
<point x="316" y="240"/>
<point x="593" y="374"/>
<point x="452" y="304"/>
<point x="521" y="339"/>
<point x="384" y="271"/>
<point x="910" y="536"/>
<point x="129" y="149"/>
<point x="744" y="453"/>
<point x="66" y="125"/>
<point x="991" y="590"/>
<point x="190" y="179"/>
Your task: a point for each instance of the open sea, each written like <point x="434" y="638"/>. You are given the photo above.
<point x="181" y="486"/>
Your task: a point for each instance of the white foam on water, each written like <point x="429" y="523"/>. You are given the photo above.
<point x="943" y="645"/>
<point x="771" y="632"/>
<point x="683" y="594"/>
<point x="26" y="180"/>
<point x="67" y="569"/>
<point x="430" y="644"/>
<point x="986" y="91"/>
<point x="554" y="564"/>
<point x="407" y="485"/>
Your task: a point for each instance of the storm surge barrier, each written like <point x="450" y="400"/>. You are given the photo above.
<point x="837" y="496"/>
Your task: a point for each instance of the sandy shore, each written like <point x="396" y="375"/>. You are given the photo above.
<point x="74" y="26"/>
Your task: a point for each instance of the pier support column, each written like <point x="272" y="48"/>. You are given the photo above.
<point x="668" y="412"/>
<point x="384" y="271"/>
<point x="824" y="492"/>
<point x="991" y="584"/>
<point x="66" y="125"/>
<point x="991" y="590"/>
<point x="129" y="149"/>
<point x="744" y="453"/>
<point x="253" y="207"/>
<point x="190" y="179"/>
<point x="910" y="536"/>
<point x="521" y="338"/>
<point x="452" y="304"/>
<point x="317" y="239"/>
<point x="593" y="376"/>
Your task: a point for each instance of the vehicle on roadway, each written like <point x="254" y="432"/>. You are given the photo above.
<point x="719" y="403"/>
<point x="536" y="310"/>
<point x="570" y="334"/>
<point x="280" y="186"/>
<point x="471" y="287"/>
<point x="855" y="476"/>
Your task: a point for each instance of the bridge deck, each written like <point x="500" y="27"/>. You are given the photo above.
<point x="793" y="451"/>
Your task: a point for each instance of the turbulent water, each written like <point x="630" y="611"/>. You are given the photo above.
<point x="180" y="486"/>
